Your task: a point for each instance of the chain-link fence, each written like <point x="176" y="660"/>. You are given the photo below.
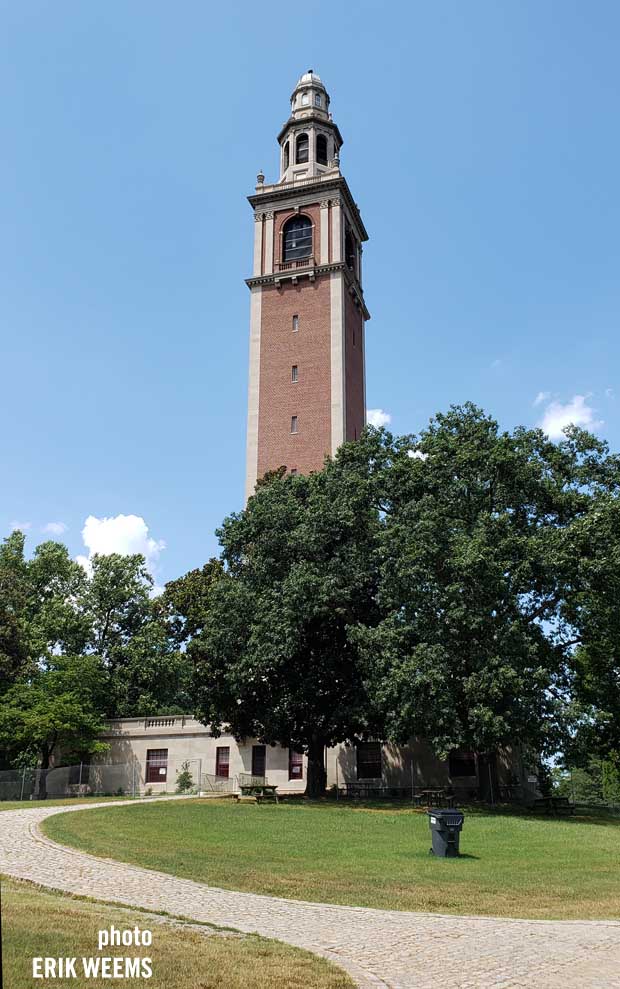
<point x="131" y="779"/>
<point x="218" y="784"/>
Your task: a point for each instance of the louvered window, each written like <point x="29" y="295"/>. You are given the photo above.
<point x="297" y="238"/>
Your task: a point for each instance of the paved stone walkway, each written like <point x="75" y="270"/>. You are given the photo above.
<point x="378" y="947"/>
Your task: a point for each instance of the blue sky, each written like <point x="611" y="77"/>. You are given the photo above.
<point x="481" y="143"/>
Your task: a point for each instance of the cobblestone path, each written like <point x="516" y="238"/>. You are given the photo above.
<point x="378" y="947"/>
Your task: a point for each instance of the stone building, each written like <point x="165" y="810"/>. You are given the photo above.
<point x="149" y="753"/>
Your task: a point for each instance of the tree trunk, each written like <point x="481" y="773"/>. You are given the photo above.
<point x="43" y="771"/>
<point x="317" y="777"/>
<point x="488" y="777"/>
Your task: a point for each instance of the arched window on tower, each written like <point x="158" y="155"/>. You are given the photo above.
<point x="297" y="238"/>
<point x="321" y="149"/>
<point x="301" y="149"/>
<point x="285" y="156"/>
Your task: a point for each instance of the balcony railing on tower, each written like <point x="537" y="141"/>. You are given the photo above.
<point x="295" y="265"/>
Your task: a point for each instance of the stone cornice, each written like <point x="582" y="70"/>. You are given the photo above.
<point x="303" y="193"/>
<point x="313" y="272"/>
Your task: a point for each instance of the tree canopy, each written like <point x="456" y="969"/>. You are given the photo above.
<point x="461" y="585"/>
<point x="447" y="585"/>
<point x="100" y="629"/>
<point x="276" y="657"/>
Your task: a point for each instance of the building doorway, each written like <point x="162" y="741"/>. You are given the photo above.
<point x="259" y="760"/>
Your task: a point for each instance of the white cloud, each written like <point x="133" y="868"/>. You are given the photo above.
<point x="22" y="526"/>
<point x="124" y="534"/>
<point x="378" y="418"/>
<point x="54" y="528"/>
<point x="543" y="396"/>
<point x="417" y="455"/>
<point x="576" y="412"/>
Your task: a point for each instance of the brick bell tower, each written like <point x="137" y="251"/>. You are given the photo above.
<point x="307" y="311"/>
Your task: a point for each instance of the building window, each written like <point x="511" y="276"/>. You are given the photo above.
<point x="222" y="761"/>
<point x="294" y="373"/>
<point x="286" y="156"/>
<point x="297" y="238"/>
<point x="293" y="424"/>
<point x="295" y="765"/>
<point x="295" y="324"/>
<point x="369" y="761"/>
<point x="259" y="760"/>
<point x="317" y="99"/>
<point x="302" y="149"/>
<point x="321" y="149"/>
<point x="156" y="766"/>
<point x="461" y="764"/>
<point x="293" y="470"/>
<point x="304" y="99"/>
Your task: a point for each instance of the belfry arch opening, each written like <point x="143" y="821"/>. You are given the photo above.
<point x="350" y="251"/>
<point x="302" y="148"/>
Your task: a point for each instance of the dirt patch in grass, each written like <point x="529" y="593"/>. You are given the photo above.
<point x="60" y="802"/>
<point x="40" y="923"/>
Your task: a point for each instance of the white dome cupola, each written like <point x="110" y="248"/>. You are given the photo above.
<point x="310" y="142"/>
<point x="309" y="96"/>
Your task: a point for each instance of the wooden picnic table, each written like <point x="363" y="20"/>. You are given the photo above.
<point x="365" y="788"/>
<point x="436" y="797"/>
<point x="554" y="805"/>
<point x="261" y="791"/>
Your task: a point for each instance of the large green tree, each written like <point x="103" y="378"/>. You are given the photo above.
<point x="56" y="709"/>
<point x="275" y="658"/>
<point x="15" y="646"/>
<point x="186" y="601"/>
<point x="40" y="606"/>
<point x="593" y="610"/>
<point x="147" y="673"/>
<point x="488" y="535"/>
<point x="103" y="624"/>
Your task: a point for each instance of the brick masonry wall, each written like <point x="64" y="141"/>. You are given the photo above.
<point x="310" y="398"/>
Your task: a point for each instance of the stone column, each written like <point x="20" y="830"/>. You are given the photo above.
<point x="338" y="406"/>
<point x="268" y="234"/>
<point x="337" y="228"/>
<point x="258" y="245"/>
<point x="324" y="248"/>
<point x="253" y="391"/>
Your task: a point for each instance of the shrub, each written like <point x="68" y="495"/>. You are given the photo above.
<point x="185" y="780"/>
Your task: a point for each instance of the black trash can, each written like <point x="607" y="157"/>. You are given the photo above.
<point x="445" y="825"/>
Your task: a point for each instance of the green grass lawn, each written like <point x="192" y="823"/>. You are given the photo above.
<point x="41" y="923"/>
<point x="513" y="865"/>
